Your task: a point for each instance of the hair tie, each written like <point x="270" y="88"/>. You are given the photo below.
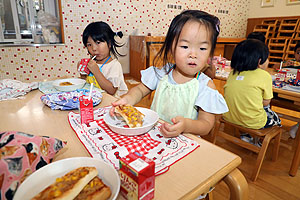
<point x="120" y="34"/>
<point x="218" y="25"/>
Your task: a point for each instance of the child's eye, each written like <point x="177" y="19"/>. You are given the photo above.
<point x="203" y="49"/>
<point x="98" y="42"/>
<point x="184" y="47"/>
<point x="88" y="45"/>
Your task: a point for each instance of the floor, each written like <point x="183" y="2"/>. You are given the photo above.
<point x="273" y="181"/>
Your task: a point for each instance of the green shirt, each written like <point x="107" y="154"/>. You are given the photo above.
<point x="244" y="94"/>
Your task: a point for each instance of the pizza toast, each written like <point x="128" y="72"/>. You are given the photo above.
<point x="132" y="116"/>
<point x="69" y="185"/>
<point x="94" y="190"/>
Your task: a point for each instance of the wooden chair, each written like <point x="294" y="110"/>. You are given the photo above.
<point x="266" y="134"/>
<point x="296" y="144"/>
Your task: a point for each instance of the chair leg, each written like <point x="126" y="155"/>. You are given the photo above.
<point x="296" y="158"/>
<point x="237" y="133"/>
<point x="276" y="146"/>
<point x="260" y="157"/>
<point x="215" y="131"/>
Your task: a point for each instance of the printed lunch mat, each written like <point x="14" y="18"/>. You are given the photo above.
<point x="104" y="144"/>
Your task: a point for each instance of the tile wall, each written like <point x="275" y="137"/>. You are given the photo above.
<point x="141" y="17"/>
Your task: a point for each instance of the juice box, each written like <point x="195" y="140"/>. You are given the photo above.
<point x="86" y="109"/>
<point x="137" y="177"/>
<point x="83" y="66"/>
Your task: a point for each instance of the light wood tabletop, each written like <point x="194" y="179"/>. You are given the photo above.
<point x="187" y="179"/>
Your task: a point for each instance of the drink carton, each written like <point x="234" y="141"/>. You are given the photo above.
<point x="137" y="177"/>
<point x="86" y="109"/>
<point x="83" y="69"/>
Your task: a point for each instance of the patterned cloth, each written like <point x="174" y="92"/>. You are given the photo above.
<point x="12" y="89"/>
<point x="272" y="118"/>
<point x="69" y="100"/>
<point x="21" y="154"/>
<point x="102" y="143"/>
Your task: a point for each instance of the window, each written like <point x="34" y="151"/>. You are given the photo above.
<point x="30" y="21"/>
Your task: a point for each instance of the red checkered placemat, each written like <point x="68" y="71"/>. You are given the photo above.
<point x="104" y="144"/>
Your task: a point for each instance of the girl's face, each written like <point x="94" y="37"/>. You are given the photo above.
<point x="98" y="49"/>
<point x="192" y="50"/>
<point x="297" y="54"/>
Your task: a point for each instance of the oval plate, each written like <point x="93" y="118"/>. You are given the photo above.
<point x="47" y="175"/>
<point x="117" y="124"/>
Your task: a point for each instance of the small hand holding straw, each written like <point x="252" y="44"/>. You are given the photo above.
<point x="91" y="88"/>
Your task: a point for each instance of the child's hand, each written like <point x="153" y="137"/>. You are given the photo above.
<point x="290" y="63"/>
<point x="173" y="130"/>
<point x="92" y="66"/>
<point x="122" y="101"/>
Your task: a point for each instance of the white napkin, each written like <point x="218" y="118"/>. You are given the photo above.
<point x="12" y="89"/>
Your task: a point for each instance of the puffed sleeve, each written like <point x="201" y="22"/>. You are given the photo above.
<point x="151" y="77"/>
<point x="211" y="101"/>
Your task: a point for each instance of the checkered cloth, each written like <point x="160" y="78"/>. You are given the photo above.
<point x="104" y="144"/>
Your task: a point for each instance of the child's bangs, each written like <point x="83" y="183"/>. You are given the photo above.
<point x="99" y="37"/>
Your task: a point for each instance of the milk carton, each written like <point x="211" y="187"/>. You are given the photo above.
<point x="86" y="109"/>
<point x="137" y="177"/>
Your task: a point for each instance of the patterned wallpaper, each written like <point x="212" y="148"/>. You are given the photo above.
<point x="30" y="64"/>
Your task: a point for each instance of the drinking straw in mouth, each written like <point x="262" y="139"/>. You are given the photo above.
<point x="93" y="57"/>
<point x="90" y="95"/>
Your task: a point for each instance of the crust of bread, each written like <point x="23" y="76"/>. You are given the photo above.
<point x="104" y="193"/>
<point x="95" y="190"/>
<point x="119" y="110"/>
<point x="72" y="192"/>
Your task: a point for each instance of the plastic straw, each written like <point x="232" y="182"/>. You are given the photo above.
<point x="90" y="95"/>
<point x="280" y="65"/>
<point x="93" y="57"/>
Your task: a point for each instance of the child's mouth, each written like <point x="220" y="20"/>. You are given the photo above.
<point x="192" y="64"/>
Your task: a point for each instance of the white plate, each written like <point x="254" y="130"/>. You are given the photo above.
<point x="77" y="84"/>
<point x="294" y="87"/>
<point x="46" y="175"/>
<point x="116" y="124"/>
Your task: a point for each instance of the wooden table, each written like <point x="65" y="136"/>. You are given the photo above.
<point x="187" y="179"/>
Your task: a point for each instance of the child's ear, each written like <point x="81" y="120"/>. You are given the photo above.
<point x="258" y="64"/>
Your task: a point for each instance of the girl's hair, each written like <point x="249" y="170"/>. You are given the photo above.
<point x="101" y="31"/>
<point x="209" y="21"/>
<point x="247" y="54"/>
<point x="257" y="35"/>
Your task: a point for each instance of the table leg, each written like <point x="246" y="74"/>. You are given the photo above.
<point x="296" y="158"/>
<point x="237" y="185"/>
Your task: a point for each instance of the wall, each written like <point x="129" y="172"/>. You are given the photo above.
<point x="130" y="16"/>
<point x="278" y="10"/>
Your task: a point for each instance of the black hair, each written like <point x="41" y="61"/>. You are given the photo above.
<point x="247" y="54"/>
<point x="211" y="22"/>
<point x="257" y="35"/>
<point x="101" y="31"/>
<point x="297" y="46"/>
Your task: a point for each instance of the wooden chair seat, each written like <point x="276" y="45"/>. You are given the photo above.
<point x="266" y="135"/>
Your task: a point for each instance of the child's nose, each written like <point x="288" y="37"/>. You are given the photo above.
<point x="94" y="47"/>
<point x="192" y="55"/>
